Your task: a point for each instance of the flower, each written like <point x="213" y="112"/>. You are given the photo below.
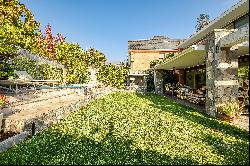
<point x="4" y="101"/>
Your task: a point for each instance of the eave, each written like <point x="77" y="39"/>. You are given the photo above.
<point x="232" y="14"/>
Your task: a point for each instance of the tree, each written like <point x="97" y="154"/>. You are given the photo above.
<point x="17" y="28"/>
<point x="46" y="44"/>
<point x="115" y="76"/>
<point x="202" y="21"/>
<point x="94" y="58"/>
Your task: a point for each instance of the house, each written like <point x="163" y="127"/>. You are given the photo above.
<point x="142" y="52"/>
<point x="210" y="58"/>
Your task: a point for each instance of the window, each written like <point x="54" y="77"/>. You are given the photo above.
<point x="161" y="56"/>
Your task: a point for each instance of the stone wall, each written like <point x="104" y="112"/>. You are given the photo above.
<point x="53" y="116"/>
<point x="221" y="73"/>
<point x="158" y="81"/>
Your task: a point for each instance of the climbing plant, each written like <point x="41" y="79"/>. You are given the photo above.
<point x="159" y="61"/>
<point x="243" y="73"/>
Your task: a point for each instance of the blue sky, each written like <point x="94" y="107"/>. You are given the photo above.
<point x="107" y="25"/>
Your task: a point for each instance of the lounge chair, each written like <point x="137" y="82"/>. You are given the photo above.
<point x="24" y="79"/>
<point x="23" y="75"/>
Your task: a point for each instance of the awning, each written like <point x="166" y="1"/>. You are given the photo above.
<point x="190" y="57"/>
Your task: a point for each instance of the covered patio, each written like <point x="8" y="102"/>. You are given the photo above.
<point x="206" y="67"/>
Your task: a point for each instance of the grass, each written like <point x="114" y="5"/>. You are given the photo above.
<point x="130" y="128"/>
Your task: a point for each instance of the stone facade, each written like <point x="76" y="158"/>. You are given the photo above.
<point x="221" y="72"/>
<point x="223" y="51"/>
<point x="158" y="80"/>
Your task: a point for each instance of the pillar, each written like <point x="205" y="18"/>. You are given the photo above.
<point x="182" y="76"/>
<point x="221" y="73"/>
<point x="158" y="81"/>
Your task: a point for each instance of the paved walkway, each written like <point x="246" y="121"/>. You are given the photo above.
<point x="186" y="103"/>
<point x="242" y="122"/>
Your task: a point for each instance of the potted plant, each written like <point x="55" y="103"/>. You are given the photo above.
<point x="229" y="111"/>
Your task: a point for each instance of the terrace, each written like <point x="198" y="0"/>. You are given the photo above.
<point x="206" y="66"/>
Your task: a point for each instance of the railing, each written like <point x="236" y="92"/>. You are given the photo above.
<point x="136" y="71"/>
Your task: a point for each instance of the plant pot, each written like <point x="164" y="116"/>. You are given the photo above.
<point x="234" y="119"/>
<point x="224" y="117"/>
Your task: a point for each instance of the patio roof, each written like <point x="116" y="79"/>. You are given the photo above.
<point x="224" y="19"/>
<point x="190" y="57"/>
<point x="195" y="56"/>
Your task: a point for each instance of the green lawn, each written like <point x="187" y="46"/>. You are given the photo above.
<point x="130" y="128"/>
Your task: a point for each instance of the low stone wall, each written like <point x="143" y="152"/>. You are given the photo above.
<point x="53" y="116"/>
<point x="8" y="143"/>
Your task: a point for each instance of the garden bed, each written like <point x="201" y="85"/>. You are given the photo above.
<point x="5" y="135"/>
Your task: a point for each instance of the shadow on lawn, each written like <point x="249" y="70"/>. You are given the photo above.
<point x="57" y="148"/>
<point x="236" y="153"/>
<point x="230" y="151"/>
<point x="188" y="114"/>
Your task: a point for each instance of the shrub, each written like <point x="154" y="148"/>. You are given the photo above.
<point x="112" y="75"/>
<point x="37" y="71"/>
<point x="6" y="71"/>
<point x="150" y="80"/>
<point x="230" y="109"/>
